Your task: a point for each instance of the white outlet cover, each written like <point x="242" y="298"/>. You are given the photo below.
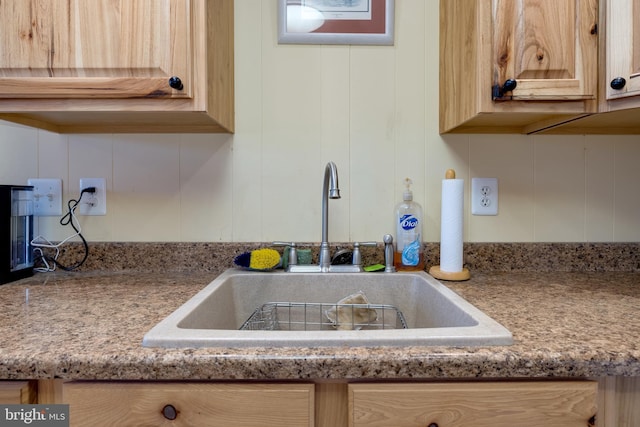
<point x="96" y="203"/>
<point x="484" y="196"/>
<point x="47" y="196"/>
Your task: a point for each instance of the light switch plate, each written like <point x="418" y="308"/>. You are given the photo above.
<point x="47" y="196"/>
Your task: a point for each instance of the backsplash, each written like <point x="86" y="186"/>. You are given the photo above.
<point x="479" y="257"/>
<point x="373" y="110"/>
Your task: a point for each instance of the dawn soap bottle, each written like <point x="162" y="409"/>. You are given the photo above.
<point x="409" y="254"/>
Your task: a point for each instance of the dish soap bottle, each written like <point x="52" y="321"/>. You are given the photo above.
<point x="409" y="254"/>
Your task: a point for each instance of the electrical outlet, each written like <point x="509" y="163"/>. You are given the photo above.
<point x="484" y="196"/>
<point x="47" y="196"/>
<point x="93" y="203"/>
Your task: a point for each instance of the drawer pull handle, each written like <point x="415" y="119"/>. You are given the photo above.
<point x="170" y="412"/>
<point x="176" y="83"/>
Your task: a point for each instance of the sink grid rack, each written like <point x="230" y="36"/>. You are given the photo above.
<point x="302" y="316"/>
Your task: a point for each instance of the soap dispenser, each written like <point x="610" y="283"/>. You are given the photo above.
<point x="409" y="253"/>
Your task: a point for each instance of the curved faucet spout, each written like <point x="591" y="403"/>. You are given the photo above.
<point x="330" y="189"/>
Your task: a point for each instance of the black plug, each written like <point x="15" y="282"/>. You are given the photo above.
<point x="90" y="190"/>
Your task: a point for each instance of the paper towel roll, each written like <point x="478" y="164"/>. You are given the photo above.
<point x="452" y="222"/>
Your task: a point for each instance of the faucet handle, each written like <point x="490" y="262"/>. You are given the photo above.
<point x="357" y="256"/>
<point x="293" y="252"/>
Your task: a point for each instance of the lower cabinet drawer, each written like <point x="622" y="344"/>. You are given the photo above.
<point x="188" y="404"/>
<point x="478" y="404"/>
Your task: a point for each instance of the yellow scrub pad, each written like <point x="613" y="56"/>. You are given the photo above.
<point x="264" y="259"/>
<point x="260" y="260"/>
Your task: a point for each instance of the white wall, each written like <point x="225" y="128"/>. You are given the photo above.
<point x="371" y="109"/>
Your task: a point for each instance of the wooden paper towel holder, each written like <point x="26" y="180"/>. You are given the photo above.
<point x="454" y="276"/>
<point x="457" y="276"/>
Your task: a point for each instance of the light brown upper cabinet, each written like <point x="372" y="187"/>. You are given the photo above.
<point x="118" y="65"/>
<point x="516" y="66"/>
<point x="623" y="50"/>
<point x="619" y="73"/>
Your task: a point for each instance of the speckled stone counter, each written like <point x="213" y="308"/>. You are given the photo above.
<point x="90" y="326"/>
<point x="485" y="257"/>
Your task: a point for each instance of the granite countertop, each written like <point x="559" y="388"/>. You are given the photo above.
<point x="90" y="326"/>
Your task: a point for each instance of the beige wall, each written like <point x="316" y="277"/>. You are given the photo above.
<point x="372" y="110"/>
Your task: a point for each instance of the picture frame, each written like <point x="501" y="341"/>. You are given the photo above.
<point x="357" y="22"/>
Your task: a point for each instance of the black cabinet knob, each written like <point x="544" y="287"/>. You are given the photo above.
<point x="176" y="83"/>
<point x="509" y="85"/>
<point x="170" y="412"/>
<point x="618" y="83"/>
<point x="433" y="425"/>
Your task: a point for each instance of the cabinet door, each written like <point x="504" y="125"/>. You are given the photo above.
<point x="499" y="404"/>
<point x="548" y="46"/>
<point x="94" y="48"/>
<point x="623" y="48"/>
<point x="189" y="404"/>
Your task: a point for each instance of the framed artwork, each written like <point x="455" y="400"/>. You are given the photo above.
<point x="368" y="22"/>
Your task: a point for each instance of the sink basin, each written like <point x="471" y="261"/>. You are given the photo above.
<point x="434" y="314"/>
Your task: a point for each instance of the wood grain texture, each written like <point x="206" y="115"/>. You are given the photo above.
<point x="197" y="404"/>
<point x="623" y="47"/>
<point x="50" y="391"/>
<point x="494" y="404"/>
<point x="549" y="47"/>
<point x="535" y="39"/>
<point x="331" y="405"/>
<point x="99" y="48"/>
<point x="58" y="56"/>
<point x="18" y="392"/>
<point x="619" y="401"/>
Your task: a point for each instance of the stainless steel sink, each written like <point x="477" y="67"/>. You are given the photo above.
<point x="434" y="314"/>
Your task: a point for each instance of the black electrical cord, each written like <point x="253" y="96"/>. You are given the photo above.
<point x="67" y="219"/>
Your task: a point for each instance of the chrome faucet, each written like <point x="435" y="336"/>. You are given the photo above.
<point x="330" y="190"/>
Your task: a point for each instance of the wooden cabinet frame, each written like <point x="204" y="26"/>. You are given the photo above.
<point x="618" y="398"/>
